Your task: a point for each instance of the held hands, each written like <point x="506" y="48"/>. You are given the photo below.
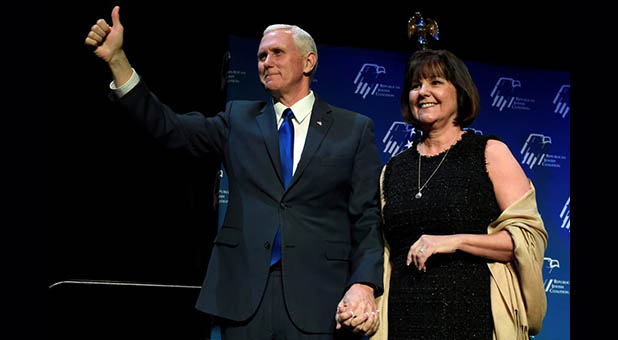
<point x="357" y="310"/>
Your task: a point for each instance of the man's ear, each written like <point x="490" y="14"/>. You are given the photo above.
<point x="310" y="61"/>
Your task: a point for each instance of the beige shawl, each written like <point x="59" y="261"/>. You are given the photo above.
<point x="518" y="299"/>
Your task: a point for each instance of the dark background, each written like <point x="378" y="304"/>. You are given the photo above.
<point x="121" y="208"/>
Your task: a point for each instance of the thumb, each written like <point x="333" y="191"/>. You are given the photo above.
<point x="116" y="16"/>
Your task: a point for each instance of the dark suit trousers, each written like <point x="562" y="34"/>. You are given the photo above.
<point x="271" y="320"/>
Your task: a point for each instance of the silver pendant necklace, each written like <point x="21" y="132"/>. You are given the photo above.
<point x="420" y="188"/>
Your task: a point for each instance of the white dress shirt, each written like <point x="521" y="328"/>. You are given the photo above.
<point x="302" y="114"/>
<point x="128" y="86"/>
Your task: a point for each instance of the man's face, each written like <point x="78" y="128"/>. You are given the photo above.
<point x="280" y="65"/>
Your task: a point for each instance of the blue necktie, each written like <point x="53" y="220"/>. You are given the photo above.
<point x="286" y="154"/>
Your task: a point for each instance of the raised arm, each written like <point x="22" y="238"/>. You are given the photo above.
<point x="107" y="41"/>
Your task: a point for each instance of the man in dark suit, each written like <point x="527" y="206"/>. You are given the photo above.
<point x="299" y="254"/>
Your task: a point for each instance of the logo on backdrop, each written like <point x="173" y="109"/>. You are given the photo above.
<point x="553" y="284"/>
<point x="504" y="95"/>
<point x="370" y="80"/>
<point x="550" y="263"/>
<point x="398" y="138"/>
<point x="224" y="193"/>
<point x="367" y="79"/>
<point x="563" y="100"/>
<point x="503" y="92"/>
<point x="535" y="149"/>
<point x="565" y="215"/>
<point x="535" y="152"/>
<point x="235" y="76"/>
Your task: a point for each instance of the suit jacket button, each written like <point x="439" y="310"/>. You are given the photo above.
<point x="267" y="245"/>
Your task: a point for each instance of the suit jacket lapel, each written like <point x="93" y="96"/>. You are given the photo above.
<point x="266" y="120"/>
<point x="321" y="120"/>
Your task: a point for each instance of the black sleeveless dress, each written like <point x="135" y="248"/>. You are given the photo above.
<point x="451" y="299"/>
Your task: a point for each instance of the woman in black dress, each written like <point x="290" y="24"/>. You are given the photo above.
<point x="439" y="197"/>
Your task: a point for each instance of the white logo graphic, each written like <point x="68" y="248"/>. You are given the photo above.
<point x="398" y="138"/>
<point x="554" y="285"/>
<point x="535" y="149"/>
<point x="503" y="92"/>
<point x="563" y="100"/>
<point x="565" y="215"/>
<point x="504" y="95"/>
<point x="370" y="81"/>
<point x="547" y="284"/>
<point x="551" y="263"/>
<point x="367" y="79"/>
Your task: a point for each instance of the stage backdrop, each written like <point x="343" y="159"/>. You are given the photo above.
<point x="528" y="108"/>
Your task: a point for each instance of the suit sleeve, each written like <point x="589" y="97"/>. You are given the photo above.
<point x="364" y="209"/>
<point x="191" y="132"/>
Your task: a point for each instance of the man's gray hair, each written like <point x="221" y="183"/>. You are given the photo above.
<point x="303" y="41"/>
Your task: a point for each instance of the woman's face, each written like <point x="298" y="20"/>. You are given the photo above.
<point x="433" y="100"/>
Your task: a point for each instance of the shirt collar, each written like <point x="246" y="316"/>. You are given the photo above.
<point x="301" y="108"/>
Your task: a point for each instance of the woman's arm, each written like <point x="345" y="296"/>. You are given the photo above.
<point x="510" y="183"/>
